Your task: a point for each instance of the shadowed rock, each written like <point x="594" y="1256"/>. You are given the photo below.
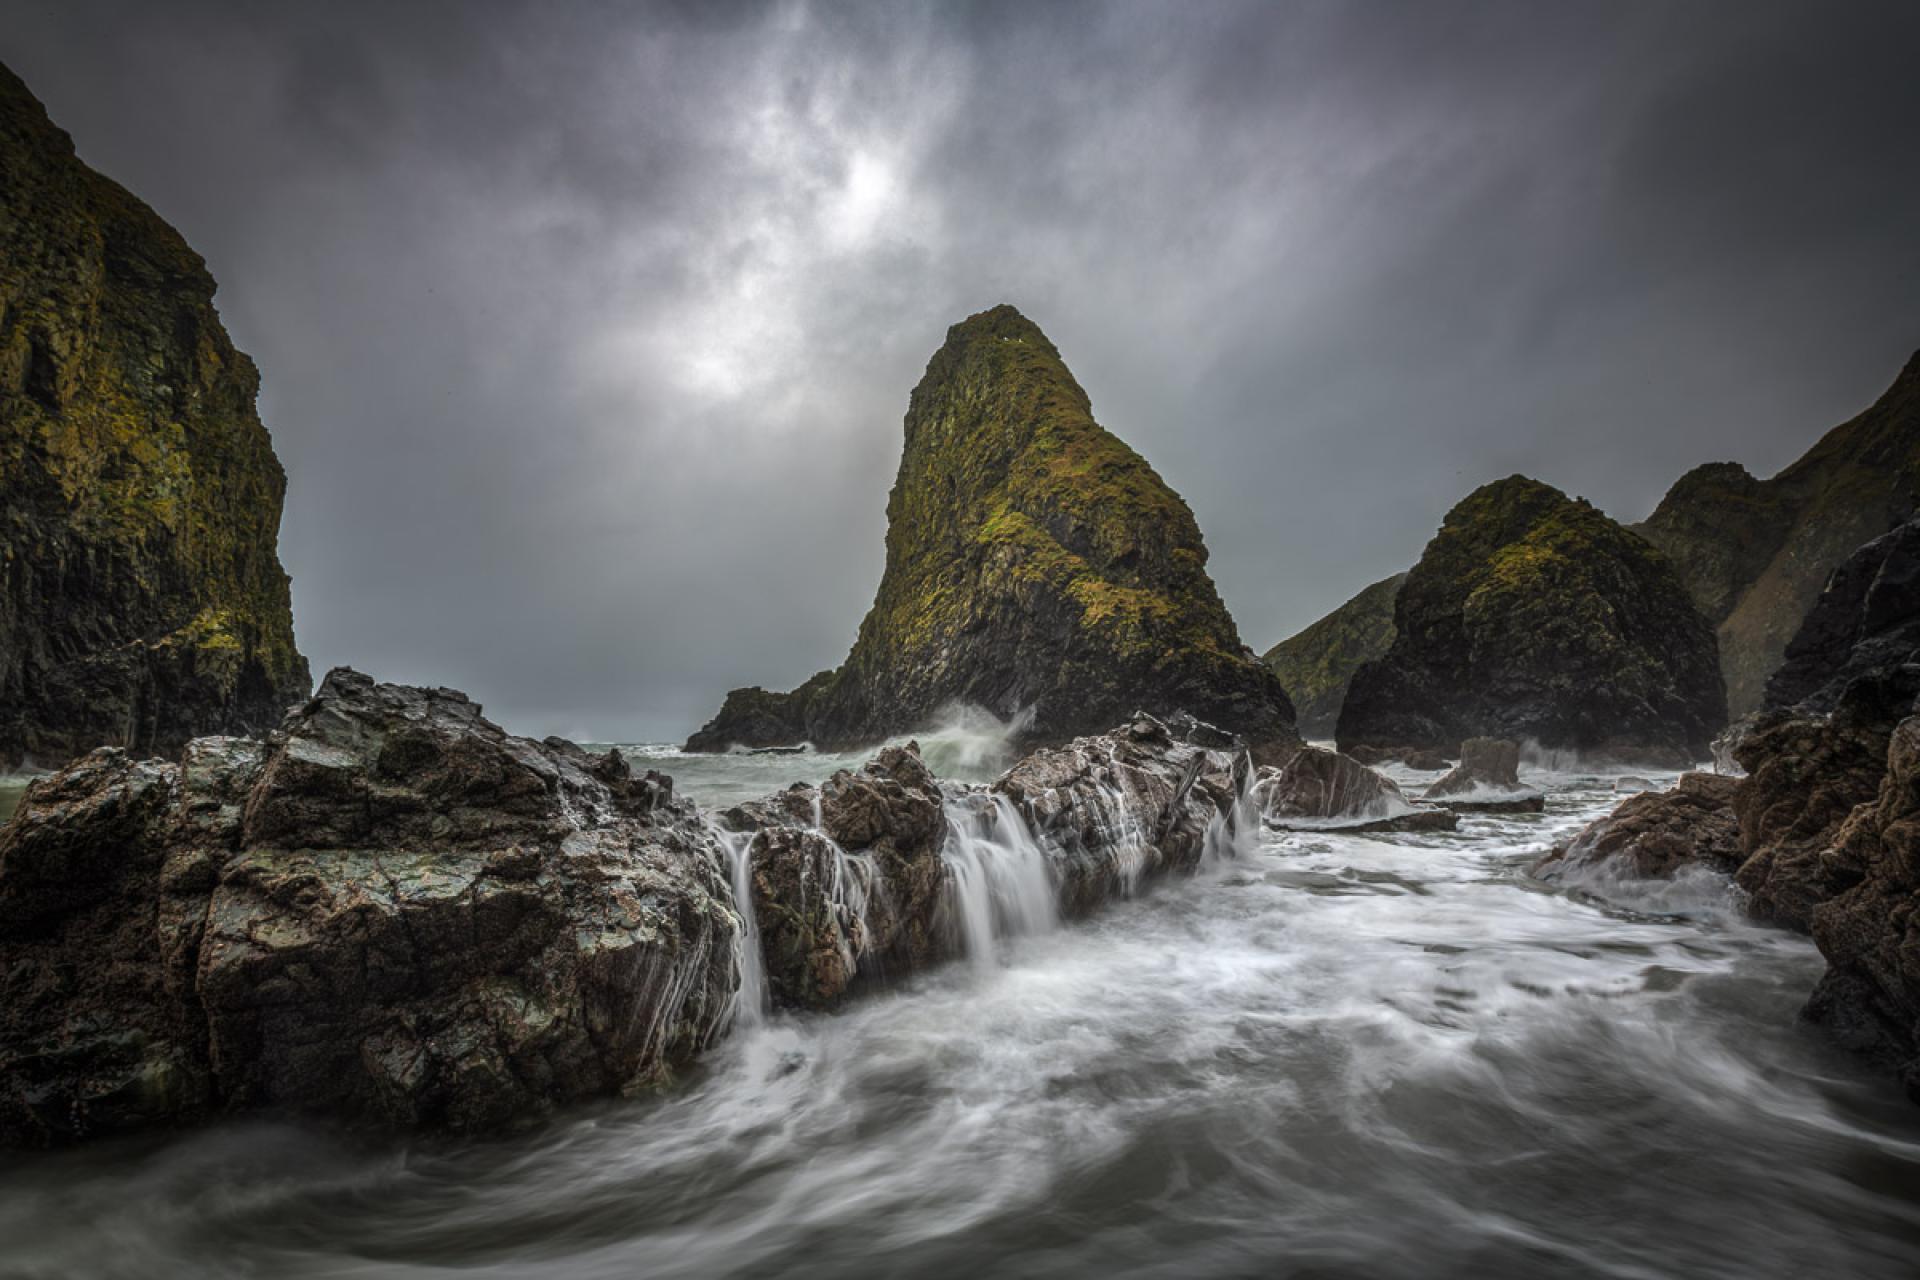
<point x="142" y="601"/>
<point x="1532" y="616"/>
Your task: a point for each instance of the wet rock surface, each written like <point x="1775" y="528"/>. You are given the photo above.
<point x="1488" y="778"/>
<point x="1657" y="834"/>
<point x="1532" y="616"/>
<point x="390" y="912"/>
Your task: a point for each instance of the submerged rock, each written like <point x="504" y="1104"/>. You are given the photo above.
<point x="1317" y="664"/>
<point x="1036" y="565"/>
<point x="390" y="912"/>
<point x="1657" y="834"/>
<point x="1756" y="554"/>
<point x="1532" y="616"/>
<point x="142" y="601"/>
<point x="1487" y="778"/>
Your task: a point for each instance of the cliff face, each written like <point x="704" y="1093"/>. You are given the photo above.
<point x="1316" y="665"/>
<point x="1035" y="564"/>
<point x="142" y="600"/>
<point x="1531" y="615"/>
<point x="1755" y="554"/>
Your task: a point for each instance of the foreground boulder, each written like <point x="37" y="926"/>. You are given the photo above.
<point x="1756" y="554"/>
<point x="1036" y="566"/>
<point x="142" y="602"/>
<point x="1533" y="617"/>
<point x="390" y="912"/>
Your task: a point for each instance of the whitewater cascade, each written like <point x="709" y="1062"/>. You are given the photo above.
<point x="750" y="1001"/>
<point x="1001" y="884"/>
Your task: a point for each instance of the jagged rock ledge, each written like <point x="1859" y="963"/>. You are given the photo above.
<point x="391" y="913"/>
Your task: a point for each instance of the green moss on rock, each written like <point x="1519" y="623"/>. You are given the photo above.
<point x="1532" y="616"/>
<point x="1034" y="563"/>
<point x="142" y="599"/>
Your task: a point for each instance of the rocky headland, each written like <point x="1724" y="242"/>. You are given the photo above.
<point x="1532" y="617"/>
<point x="142" y="602"/>
<point x="1755" y="554"/>
<point x="1820" y="832"/>
<point x="1036" y="566"/>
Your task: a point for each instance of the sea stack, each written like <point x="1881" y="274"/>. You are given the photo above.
<point x="142" y="602"/>
<point x="1036" y="567"/>
<point x="1755" y="554"/>
<point x="1535" y="618"/>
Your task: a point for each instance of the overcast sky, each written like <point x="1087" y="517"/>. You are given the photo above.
<point x="586" y="330"/>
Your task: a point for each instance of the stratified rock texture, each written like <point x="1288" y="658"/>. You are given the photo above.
<point x="1317" y="664"/>
<point x="142" y="600"/>
<point x="1034" y="563"/>
<point x="1657" y="834"/>
<point x="1532" y="616"/>
<point x="390" y="912"/>
<point x="1755" y="554"/>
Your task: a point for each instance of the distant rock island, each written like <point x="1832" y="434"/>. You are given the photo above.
<point x="1755" y="554"/>
<point x="1533" y="617"/>
<point x="1035" y="565"/>
<point x="1317" y="664"/>
<point x="142" y="602"/>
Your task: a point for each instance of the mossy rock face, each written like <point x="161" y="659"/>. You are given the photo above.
<point x="1533" y="617"/>
<point x="1317" y="664"/>
<point x="142" y="600"/>
<point x="1755" y="554"/>
<point x="1035" y="563"/>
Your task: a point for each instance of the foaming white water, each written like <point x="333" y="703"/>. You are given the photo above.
<point x="1333" y="1054"/>
<point x="968" y="742"/>
<point x="1001" y="884"/>
<point x="750" y="1000"/>
<point x="1235" y="832"/>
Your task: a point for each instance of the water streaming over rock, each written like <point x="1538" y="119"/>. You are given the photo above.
<point x="1000" y="883"/>
<point x="1327" y="1054"/>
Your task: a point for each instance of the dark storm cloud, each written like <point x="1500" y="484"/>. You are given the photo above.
<point x="586" y="330"/>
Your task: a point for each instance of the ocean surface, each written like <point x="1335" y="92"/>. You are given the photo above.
<point x="1331" y="1055"/>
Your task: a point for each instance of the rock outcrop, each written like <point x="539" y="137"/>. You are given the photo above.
<point x="1035" y="564"/>
<point x="389" y="912"/>
<point x="1657" y="834"/>
<point x="1487" y="777"/>
<point x="1317" y="664"/>
<point x="1825" y="836"/>
<point x="1755" y="554"/>
<point x="392" y="913"/>
<point x="1533" y="617"/>
<point x="142" y="602"/>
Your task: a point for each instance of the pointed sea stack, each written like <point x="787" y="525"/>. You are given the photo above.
<point x="1035" y="564"/>
<point x="1755" y="554"/>
<point x="1533" y="617"/>
<point x="142" y="602"/>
